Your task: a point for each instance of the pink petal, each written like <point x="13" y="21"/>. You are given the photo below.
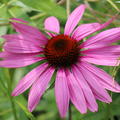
<point x="90" y="99"/>
<point x="76" y="93"/>
<point x="39" y="88"/>
<point x="102" y="39"/>
<point x="21" y="37"/>
<point x="52" y="24"/>
<point x="31" y="32"/>
<point x="20" y="46"/>
<point x="62" y="92"/>
<point x="28" y="80"/>
<point x="73" y="19"/>
<point x="3" y="54"/>
<point x="100" y="98"/>
<point x="104" y="79"/>
<point x="87" y="29"/>
<point x="96" y="87"/>
<point x="84" y="30"/>
<point x="11" y="56"/>
<point x="18" y="60"/>
<point x="102" y="56"/>
<point x="111" y="51"/>
<point x="101" y="60"/>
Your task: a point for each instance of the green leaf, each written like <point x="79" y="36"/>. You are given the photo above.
<point x="47" y="6"/>
<point x="3" y="11"/>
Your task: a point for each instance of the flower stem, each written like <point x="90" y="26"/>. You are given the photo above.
<point x="13" y="107"/>
<point x="9" y="86"/>
<point x="68" y="7"/>
<point x="70" y="112"/>
<point x="113" y="5"/>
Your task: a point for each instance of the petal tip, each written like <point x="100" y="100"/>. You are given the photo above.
<point x="30" y="108"/>
<point x="84" y="112"/>
<point x="13" y="94"/>
<point x="62" y="115"/>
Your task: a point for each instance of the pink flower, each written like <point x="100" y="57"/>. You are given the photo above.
<point x="77" y="80"/>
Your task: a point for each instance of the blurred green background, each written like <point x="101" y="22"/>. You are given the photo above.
<point x="35" y="11"/>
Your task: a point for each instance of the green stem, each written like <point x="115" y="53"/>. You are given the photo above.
<point x="113" y="5"/>
<point x="9" y="86"/>
<point x="109" y="115"/>
<point x="13" y="107"/>
<point x="70" y="112"/>
<point x="114" y="72"/>
<point x="61" y="2"/>
<point x="68" y="7"/>
<point x="38" y="16"/>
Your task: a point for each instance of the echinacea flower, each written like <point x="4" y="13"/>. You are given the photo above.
<point x="76" y="80"/>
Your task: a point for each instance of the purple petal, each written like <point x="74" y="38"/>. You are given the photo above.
<point x="73" y="19"/>
<point x="11" y="56"/>
<point x="96" y="87"/>
<point x="108" y="55"/>
<point x="109" y="51"/>
<point x="52" y="24"/>
<point x="102" y="39"/>
<point x="39" y="88"/>
<point x="30" y="32"/>
<point x="104" y="79"/>
<point x="101" y="60"/>
<point x="18" y="60"/>
<point x="87" y="29"/>
<point x="18" y="44"/>
<point x="21" y="37"/>
<point x="28" y="80"/>
<point x="90" y="99"/>
<point x="84" y="30"/>
<point x="76" y="93"/>
<point x="62" y="92"/>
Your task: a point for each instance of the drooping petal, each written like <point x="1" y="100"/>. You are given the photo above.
<point x="87" y="29"/>
<point x="21" y="37"/>
<point x="19" y="63"/>
<point x="39" y="88"/>
<point x="101" y="98"/>
<point x="52" y="24"/>
<point x="108" y="55"/>
<point x="20" y="46"/>
<point x="76" y="93"/>
<point x="30" y="32"/>
<point x="102" y="39"/>
<point x="28" y="80"/>
<point x="103" y="78"/>
<point x="73" y="19"/>
<point x="11" y="56"/>
<point x="84" y="30"/>
<point x="3" y="54"/>
<point x="96" y="87"/>
<point x="101" y="60"/>
<point x="90" y="99"/>
<point x="62" y="92"/>
<point x="18" y="60"/>
<point x="109" y="51"/>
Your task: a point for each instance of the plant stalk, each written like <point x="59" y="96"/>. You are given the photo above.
<point x="70" y="112"/>
<point x="68" y="7"/>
